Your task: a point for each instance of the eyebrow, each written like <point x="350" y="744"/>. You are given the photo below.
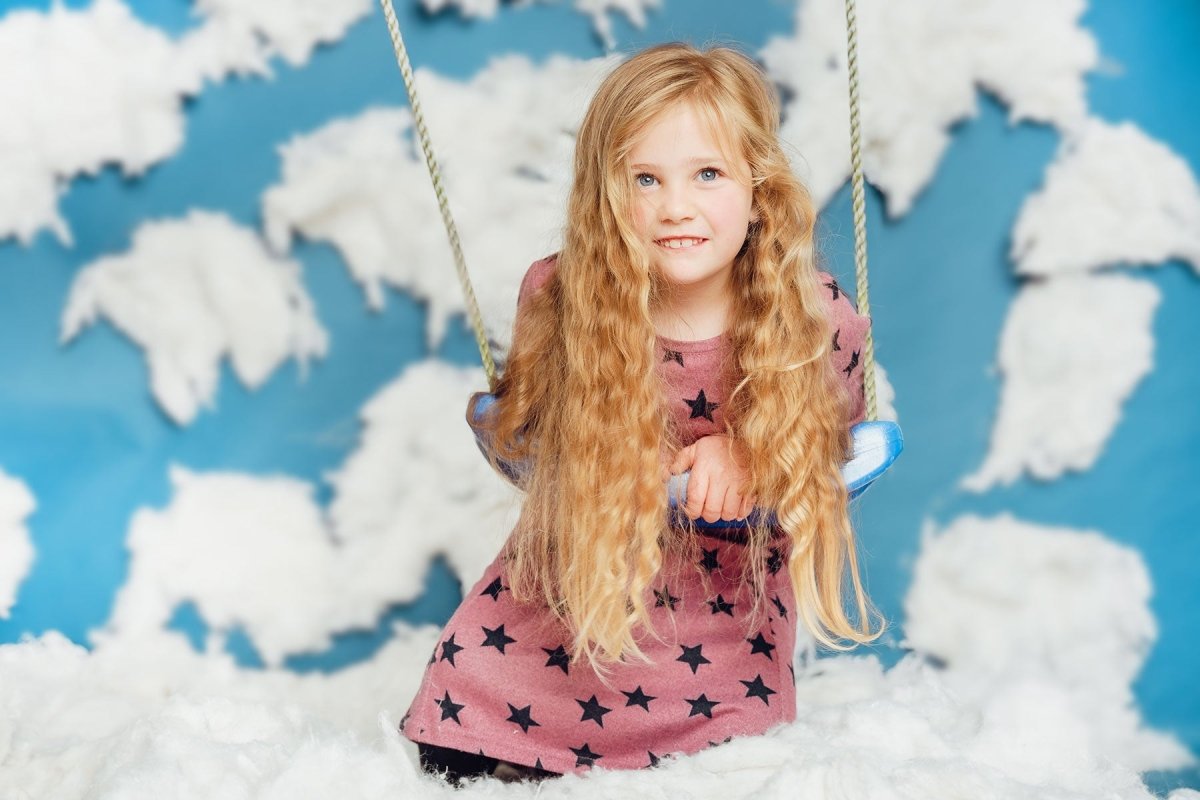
<point x="691" y="162"/>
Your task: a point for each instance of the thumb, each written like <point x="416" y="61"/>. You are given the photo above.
<point x="683" y="459"/>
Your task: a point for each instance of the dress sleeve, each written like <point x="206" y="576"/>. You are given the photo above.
<point x="535" y="277"/>
<point x="849" y="334"/>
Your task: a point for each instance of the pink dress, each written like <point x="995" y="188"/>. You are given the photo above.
<point x="499" y="682"/>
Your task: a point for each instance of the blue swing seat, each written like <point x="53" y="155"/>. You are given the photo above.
<point x="876" y="445"/>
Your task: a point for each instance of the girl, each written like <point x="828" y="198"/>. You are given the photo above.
<point x="682" y="326"/>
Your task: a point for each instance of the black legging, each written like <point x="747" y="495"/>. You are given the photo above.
<point x="456" y="765"/>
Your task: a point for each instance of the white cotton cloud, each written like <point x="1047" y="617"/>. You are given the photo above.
<point x="82" y="89"/>
<point x="1112" y="195"/>
<point x="16" y="546"/>
<point x="239" y="37"/>
<point x="147" y="717"/>
<point x="1071" y="352"/>
<point x="598" y="10"/>
<point x="1040" y="623"/>
<point x="919" y="69"/>
<point x="258" y="552"/>
<point x="361" y="185"/>
<point x="191" y="291"/>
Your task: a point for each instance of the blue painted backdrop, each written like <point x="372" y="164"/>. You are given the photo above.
<point x="77" y="424"/>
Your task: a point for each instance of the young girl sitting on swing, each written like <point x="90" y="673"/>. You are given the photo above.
<point x="684" y="325"/>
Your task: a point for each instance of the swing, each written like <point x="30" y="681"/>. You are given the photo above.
<point x="876" y="443"/>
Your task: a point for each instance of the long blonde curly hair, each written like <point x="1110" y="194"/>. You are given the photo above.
<point x="582" y="401"/>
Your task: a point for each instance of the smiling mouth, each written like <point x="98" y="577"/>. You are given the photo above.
<point x="679" y="242"/>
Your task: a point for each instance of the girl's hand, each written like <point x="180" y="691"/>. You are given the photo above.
<point x="716" y="488"/>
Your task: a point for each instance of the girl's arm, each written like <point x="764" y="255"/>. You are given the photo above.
<point x="849" y="335"/>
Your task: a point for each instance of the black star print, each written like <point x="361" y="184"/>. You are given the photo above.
<point x="450" y="708"/>
<point x="584" y="757"/>
<point x="523" y="717"/>
<point x="836" y="346"/>
<point x="719" y="606"/>
<point x="793" y="669"/>
<point x="494" y="589"/>
<point x="701" y="407"/>
<point x="702" y="705"/>
<point x="593" y="710"/>
<point x="449" y="648"/>
<point x="653" y="759"/>
<point x="538" y="764"/>
<point x="638" y="698"/>
<point x="726" y="740"/>
<point x="853" y="363"/>
<point x="759" y="644"/>
<point x="558" y="658"/>
<point x="833" y="284"/>
<point x="664" y="598"/>
<point x="709" y="562"/>
<point x="779" y="605"/>
<point x="693" y="657"/>
<point x="774" y="561"/>
<point x="756" y="688"/>
<point x="672" y="355"/>
<point x="496" y="638"/>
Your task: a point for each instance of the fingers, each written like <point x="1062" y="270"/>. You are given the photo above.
<point x="697" y="494"/>
<point x="683" y="460"/>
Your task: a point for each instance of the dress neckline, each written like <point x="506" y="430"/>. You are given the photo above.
<point x="693" y="345"/>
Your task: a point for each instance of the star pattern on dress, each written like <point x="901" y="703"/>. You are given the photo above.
<point x="638" y="698"/>
<point x="759" y="644"/>
<point x="653" y="759"/>
<point x="701" y="407"/>
<point x="584" y="757"/>
<point x="702" y="705"/>
<point x="756" y="688"/>
<point x="709" y="562"/>
<point x="558" y="658"/>
<point x="665" y="598"/>
<point x="719" y="606"/>
<point x="450" y="648"/>
<point x="672" y="355"/>
<point x="494" y="589"/>
<point x="693" y="657"/>
<point x="780" y="606"/>
<point x="853" y="363"/>
<point x="833" y="286"/>
<point x="593" y="710"/>
<point x="450" y="708"/>
<point x="836" y="333"/>
<point x="774" y="561"/>
<point x="496" y="638"/>
<point x="524" y="717"/>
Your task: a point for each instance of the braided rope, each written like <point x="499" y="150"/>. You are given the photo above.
<point x="860" y="214"/>
<point x="460" y="263"/>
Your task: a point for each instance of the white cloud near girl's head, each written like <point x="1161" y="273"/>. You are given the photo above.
<point x="504" y="142"/>
<point x="1072" y="351"/>
<point x="1113" y="195"/>
<point x="16" y="546"/>
<point x="259" y="553"/>
<point x="920" y="68"/>
<point x="192" y="291"/>
<point x="597" y="10"/>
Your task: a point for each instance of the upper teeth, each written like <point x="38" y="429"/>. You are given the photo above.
<point x="677" y="243"/>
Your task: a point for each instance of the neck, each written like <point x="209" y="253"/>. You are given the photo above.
<point x="691" y="313"/>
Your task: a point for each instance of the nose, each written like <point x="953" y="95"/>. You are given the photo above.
<point x="675" y="204"/>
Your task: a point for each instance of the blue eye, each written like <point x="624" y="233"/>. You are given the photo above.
<point x="709" y="174"/>
<point x="645" y="179"/>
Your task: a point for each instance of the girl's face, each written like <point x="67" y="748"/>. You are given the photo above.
<point x="693" y="204"/>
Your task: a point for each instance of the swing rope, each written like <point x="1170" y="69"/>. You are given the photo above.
<point x="857" y="193"/>
<point x="860" y="212"/>
<point x="460" y="263"/>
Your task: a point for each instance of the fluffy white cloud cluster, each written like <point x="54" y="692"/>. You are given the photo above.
<point x="1027" y="611"/>
<point x="504" y="142"/>
<point x="1112" y="195"/>
<point x="920" y="67"/>
<point x="598" y="10"/>
<point x="16" y="546"/>
<point x="191" y="291"/>
<point x="95" y="86"/>
<point x="259" y="552"/>
<point x="1072" y="351"/>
